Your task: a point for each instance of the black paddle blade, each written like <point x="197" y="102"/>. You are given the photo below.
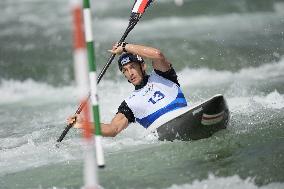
<point x="134" y="17"/>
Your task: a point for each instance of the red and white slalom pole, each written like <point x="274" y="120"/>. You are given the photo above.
<point x="82" y="79"/>
<point x="80" y="53"/>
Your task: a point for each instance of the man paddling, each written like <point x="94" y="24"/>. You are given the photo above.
<point x="154" y="95"/>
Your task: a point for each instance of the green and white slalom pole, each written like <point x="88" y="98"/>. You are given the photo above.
<point x="93" y="81"/>
<point x="82" y="79"/>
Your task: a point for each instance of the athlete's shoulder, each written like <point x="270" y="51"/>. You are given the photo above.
<point x="126" y="111"/>
<point x="156" y="77"/>
<point x="168" y="75"/>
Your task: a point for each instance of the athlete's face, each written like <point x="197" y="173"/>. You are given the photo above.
<point x="132" y="71"/>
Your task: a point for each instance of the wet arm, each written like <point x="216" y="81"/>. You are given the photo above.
<point x="118" y="123"/>
<point x="159" y="61"/>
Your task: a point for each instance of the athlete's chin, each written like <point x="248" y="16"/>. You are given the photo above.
<point x="136" y="82"/>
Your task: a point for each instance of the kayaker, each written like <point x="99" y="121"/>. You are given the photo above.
<point x="154" y="95"/>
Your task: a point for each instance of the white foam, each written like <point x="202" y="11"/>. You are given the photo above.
<point x="21" y="153"/>
<point x="256" y="103"/>
<point x="203" y="77"/>
<point x="206" y="27"/>
<point x="273" y="100"/>
<point x="29" y="91"/>
<point x="232" y="182"/>
<point x="32" y="154"/>
<point x="12" y="91"/>
<point x="210" y="77"/>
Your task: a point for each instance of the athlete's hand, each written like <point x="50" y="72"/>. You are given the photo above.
<point x="76" y="121"/>
<point x="116" y="49"/>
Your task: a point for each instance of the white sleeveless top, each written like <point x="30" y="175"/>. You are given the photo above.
<point x="158" y="97"/>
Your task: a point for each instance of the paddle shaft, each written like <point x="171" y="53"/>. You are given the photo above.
<point x="69" y="126"/>
<point x="129" y="28"/>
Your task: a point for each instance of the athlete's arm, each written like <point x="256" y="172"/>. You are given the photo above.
<point x="118" y="123"/>
<point x="159" y="61"/>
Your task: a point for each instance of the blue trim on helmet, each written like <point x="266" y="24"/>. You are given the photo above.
<point x="126" y="58"/>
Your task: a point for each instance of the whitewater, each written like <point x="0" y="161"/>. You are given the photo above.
<point x="28" y="138"/>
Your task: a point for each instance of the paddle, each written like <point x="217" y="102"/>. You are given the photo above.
<point x="138" y="9"/>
